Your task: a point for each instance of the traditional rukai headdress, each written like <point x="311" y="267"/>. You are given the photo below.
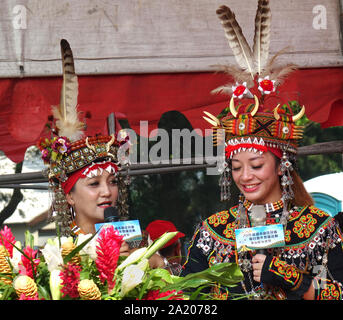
<point x="70" y="155"/>
<point x="250" y="124"/>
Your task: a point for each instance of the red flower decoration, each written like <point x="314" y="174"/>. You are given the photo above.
<point x="266" y="86"/>
<point x="107" y="249"/>
<point x="156" y="294"/>
<point x="240" y="90"/>
<point x="70" y="276"/>
<point x="6" y="239"/>
<point x="29" y="266"/>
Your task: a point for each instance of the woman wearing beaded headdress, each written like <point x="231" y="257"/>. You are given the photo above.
<point x="83" y="171"/>
<point x="260" y="154"/>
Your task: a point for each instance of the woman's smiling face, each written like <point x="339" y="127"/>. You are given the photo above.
<point x="89" y="198"/>
<point x="257" y="176"/>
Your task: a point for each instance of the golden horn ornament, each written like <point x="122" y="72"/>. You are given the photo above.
<point x="232" y="107"/>
<point x="276" y="114"/>
<point x="109" y="143"/>
<point x="211" y="119"/>
<point x="253" y="112"/>
<point x="299" y="114"/>
<point x="90" y="146"/>
<point x="234" y="111"/>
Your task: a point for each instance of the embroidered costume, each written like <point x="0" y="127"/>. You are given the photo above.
<point x="70" y="155"/>
<point x="313" y="250"/>
<point x="261" y="122"/>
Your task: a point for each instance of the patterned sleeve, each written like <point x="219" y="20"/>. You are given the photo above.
<point x="196" y="261"/>
<point x="329" y="276"/>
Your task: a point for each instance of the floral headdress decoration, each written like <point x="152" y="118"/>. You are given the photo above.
<point x="252" y="126"/>
<point x="70" y="155"/>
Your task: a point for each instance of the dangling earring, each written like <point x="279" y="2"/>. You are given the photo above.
<point x="286" y="183"/>
<point x="286" y="179"/>
<point x="241" y="219"/>
<point x="225" y="181"/>
<point x="72" y="212"/>
<point x="60" y="210"/>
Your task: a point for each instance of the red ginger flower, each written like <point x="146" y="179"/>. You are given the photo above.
<point x="28" y="266"/>
<point x="70" y="276"/>
<point x="108" y="248"/>
<point x="6" y="239"/>
<point x="156" y="294"/>
<point x="25" y="297"/>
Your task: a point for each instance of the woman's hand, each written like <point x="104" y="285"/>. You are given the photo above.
<point x="257" y="264"/>
<point x="156" y="261"/>
<point x="124" y="249"/>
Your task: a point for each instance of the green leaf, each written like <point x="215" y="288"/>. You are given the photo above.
<point x="29" y="239"/>
<point x="226" y="274"/>
<point x="162" y="274"/>
<point x="43" y="292"/>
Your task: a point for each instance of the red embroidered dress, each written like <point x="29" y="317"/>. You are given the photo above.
<point x="313" y="246"/>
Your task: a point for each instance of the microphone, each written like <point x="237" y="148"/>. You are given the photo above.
<point x="129" y="229"/>
<point x="258" y="218"/>
<point x="111" y="214"/>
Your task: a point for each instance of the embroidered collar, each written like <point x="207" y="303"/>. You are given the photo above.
<point x="270" y="207"/>
<point x="75" y="229"/>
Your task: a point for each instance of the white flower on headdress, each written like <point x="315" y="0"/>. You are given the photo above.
<point x="241" y="90"/>
<point x="265" y="85"/>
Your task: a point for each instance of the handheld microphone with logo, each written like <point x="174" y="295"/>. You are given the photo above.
<point x="129" y="229"/>
<point x="111" y="214"/>
<point x="258" y="218"/>
<point x="259" y="236"/>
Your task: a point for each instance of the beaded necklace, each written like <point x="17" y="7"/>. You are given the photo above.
<point x="274" y="213"/>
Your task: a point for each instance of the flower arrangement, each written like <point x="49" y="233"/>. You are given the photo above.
<point x="54" y="149"/>
<point x="90" y="268"/>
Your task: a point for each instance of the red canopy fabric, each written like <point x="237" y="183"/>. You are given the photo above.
<point x="25" y="104"/>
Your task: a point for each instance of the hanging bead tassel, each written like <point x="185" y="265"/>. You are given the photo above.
<point x="241" y="219"/>
<point x="286" y="179"/>
<point x="225" y="181"/>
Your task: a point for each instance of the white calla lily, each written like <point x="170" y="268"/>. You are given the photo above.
<point x="53" y="257"/>
<point x="132" y="258"/>
<point x="90" y="248"/>
<point x="132" y="277"/>
<point x="55" y="282"/>
<point x="16" y="256"/>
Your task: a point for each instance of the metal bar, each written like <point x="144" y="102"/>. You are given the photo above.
<point x="177" y="165"/>
<point x="22" y="186"/>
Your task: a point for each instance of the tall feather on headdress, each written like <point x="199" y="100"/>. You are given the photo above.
<point x="262" y="35"/>
<point x="66" y="114"/>
<point x="236" y="40"/>
<point x="250" y="62"/>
